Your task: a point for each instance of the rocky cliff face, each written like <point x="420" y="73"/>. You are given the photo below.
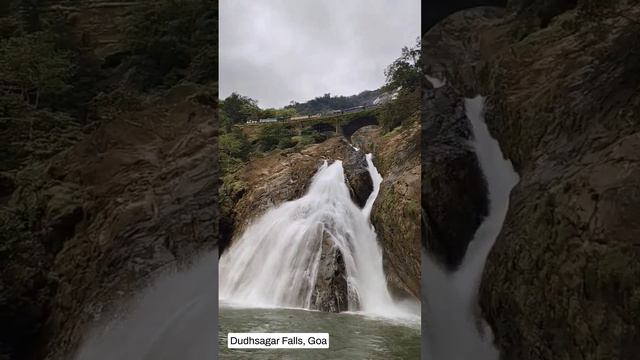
<point x="136" y="196"/>
<point x="572" y="231"/>
<point x="150" y="205"/>
<point x="396" y="212"/>
<point x="562" y="279"/>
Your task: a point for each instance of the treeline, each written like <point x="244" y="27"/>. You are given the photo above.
<point x="238" y="109"/>
<point x="172" y="41"/>
<point x="403" y="77"/>
<point x="39" y="73"/>
<point x="52" y="87"/>
<point x="327" y="102"/>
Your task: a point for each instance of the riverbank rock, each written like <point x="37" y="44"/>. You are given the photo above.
<point x="396" y="211"/>
<point x="561" y="280"/>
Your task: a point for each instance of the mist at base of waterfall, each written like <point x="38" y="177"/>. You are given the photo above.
<point x="453" y="325"/>
<point x="352" y="336"/>
<point x="174" y="318"/>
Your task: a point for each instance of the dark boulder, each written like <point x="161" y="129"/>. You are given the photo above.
<point x="357" y="176"/>
<point x="331" y="291"/>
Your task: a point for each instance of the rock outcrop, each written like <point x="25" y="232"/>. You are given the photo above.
<point x="562" y="83"/>
<point x="331" y="292"/>
<point x="453" y="187"/>
<point x="358" y="177"/>
<point x="396" y="211"/>
<point x="565" y="109"/>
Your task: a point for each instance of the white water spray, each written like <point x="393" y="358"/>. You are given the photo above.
<point x="451" y="300"/>
<point x="172" y="319"/>
<point x="274" y="263"/>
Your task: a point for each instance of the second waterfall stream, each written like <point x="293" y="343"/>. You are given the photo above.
<point x="454" y="330"/>
<point x="275" y="262"/>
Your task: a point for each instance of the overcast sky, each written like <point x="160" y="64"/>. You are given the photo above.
<point x="276" y="51"/>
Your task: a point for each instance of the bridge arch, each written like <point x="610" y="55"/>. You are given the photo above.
<point x="323" y="127"/>
<point x="353" y="125"/>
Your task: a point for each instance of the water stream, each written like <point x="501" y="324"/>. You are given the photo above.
<point x="454" y="330"/>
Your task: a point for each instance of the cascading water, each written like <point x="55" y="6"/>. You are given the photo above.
<point x="453" y="328"/>
<point x="274" y="263"/>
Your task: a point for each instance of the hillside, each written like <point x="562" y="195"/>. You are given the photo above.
<point x="326" y="103"/>
<point x="104" y="151"/>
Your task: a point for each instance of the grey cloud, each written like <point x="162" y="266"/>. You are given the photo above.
<point x="281" y="50"/>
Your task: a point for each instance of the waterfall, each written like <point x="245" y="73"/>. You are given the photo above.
<point x="454" y="329"/>
<point x="275" y="262"/>
<point x="376" y="180"/>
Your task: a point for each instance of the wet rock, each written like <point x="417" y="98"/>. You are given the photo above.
<point x="284" y="175"/>
<point x="396" y="211"/>
<point x="358" y="177"/>
<point x="454" y="198"/>
<point x="456" y="49"/>
<point x="454" y="189"/>
<point x="331" y="291"/>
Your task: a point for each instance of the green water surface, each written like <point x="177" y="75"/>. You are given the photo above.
<point x="351" y="336"/>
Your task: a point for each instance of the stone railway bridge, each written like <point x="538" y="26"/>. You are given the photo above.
<point x="341" y="124"/>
